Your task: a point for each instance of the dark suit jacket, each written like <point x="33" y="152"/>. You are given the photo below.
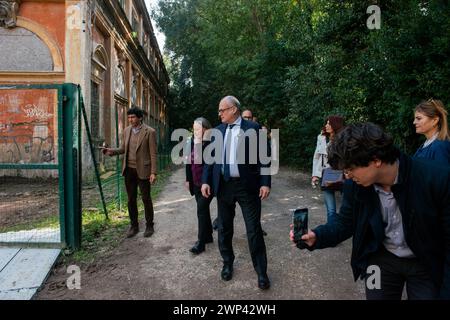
<point x="423" y="196"/>
<point x="250" y="173"/>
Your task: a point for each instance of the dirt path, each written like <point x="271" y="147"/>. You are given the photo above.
<point x="161" y="267"/>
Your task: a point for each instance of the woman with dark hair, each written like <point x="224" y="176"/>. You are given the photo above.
<point x="194" y="169"/>
<point x="333" y="125"/>
<point x="430" y="119"/>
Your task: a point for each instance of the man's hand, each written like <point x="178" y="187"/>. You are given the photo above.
<point x="107" y="151"/>
<point x="264" y="192"/>
<point x="152" y="178"/>
<point x="309" y="238"/>
<point x="206" y="190"/>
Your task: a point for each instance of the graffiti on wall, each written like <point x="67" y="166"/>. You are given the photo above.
<point x="28" y="126"/>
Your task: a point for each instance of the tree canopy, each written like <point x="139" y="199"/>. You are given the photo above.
<point x="295" y="62"/>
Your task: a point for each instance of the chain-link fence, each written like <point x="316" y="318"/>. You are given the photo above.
<point x="30" y="170"/>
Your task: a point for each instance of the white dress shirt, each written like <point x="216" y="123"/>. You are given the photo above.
<point x="232" y="151"/>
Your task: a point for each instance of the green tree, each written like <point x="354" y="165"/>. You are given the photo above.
<point x="295" y="62"/>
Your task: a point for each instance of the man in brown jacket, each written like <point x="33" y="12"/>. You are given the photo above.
<point x="138" y="167"/>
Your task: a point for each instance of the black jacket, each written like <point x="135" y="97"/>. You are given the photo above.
<point x="423" y="196"/>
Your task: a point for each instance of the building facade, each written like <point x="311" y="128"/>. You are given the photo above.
<point x="108" y="47"/>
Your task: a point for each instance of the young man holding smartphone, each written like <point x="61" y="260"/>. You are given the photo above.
<point x="397" y="209"/>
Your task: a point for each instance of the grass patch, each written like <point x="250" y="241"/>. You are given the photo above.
<point x="101" y="235"/>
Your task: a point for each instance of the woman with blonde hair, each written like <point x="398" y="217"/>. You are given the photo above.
<point x="430" y="119"/>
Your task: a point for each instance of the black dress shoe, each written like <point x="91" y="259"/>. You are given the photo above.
<point x="215" y="224"/>
<point x="198" y="248"/>
<point x="149" y="230"/>
<point x="227" y="272"/>
<point x="263" y="282"/>
<point x="132" y="231"/>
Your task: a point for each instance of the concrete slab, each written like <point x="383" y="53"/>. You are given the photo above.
<point x="21" y="294"/>
<point x="25" y="272"/>
<point x="6" y="255"/>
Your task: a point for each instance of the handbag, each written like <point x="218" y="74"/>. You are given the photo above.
<point x="332" y="179"/>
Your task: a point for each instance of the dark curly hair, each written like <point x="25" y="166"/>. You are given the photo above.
<point x="359" y="144"/>
<point x="136" y="111"/>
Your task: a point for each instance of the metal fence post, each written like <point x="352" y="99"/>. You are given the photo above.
<point x="72" y="207"/>
<point x="118" y="171"/>
<point x="97" y="173"/>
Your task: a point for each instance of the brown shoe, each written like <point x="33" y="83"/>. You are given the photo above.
<point x="132" y="231"/>
<point x="149" y="231"/>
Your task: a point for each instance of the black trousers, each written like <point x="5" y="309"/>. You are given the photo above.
<point x="132" y="182"/>
<point x="395" y="272"/>
<point x="205" y="231"/>
<point x="229" y="193"/>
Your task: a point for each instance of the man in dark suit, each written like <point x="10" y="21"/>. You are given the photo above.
<point x="238" y="181"/>
<point x="138" y="167"/>
<point x="247" y="114"/>
<point x="397" y="210"/>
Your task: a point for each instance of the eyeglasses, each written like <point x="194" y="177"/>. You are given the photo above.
<point x="247" y="118"/>
<point x="223" y="110"/>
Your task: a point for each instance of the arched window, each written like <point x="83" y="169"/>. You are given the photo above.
<point x="99" y="67"/>
<point x="100" y="59"/>
<point x="22" y="50"/>
<point x="29" y="47"/>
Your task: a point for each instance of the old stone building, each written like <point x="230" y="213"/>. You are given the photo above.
<point x="106" y="46"/>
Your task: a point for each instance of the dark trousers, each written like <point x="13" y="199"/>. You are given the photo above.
<point x="395" y="272"/>
<point x="132" y="182"/>
<point x="229" y="193"/>
<point x="205" y="230"/>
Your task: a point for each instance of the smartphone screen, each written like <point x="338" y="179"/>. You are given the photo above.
<point x="300" y="222"/>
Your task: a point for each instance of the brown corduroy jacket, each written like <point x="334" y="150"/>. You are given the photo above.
<point x="145" y="151"/>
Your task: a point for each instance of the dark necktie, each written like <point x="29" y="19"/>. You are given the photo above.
<point x="226" y="166"/>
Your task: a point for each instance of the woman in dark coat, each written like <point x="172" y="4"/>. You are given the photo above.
<point x="194" y="169"/>
<point x="430" y="119"/>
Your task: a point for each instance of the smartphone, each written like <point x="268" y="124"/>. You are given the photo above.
<point x="300" y="222"/>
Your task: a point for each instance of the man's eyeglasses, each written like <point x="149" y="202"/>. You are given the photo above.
<point x="247" y="118"/>
<point x="223" y="110"/>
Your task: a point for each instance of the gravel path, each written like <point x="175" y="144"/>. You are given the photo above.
<point x="161" y="267"/>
